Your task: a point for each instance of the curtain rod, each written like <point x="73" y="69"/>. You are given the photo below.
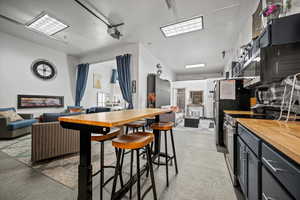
<point x="100" y="61"/>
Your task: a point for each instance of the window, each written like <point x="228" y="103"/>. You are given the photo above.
<point x="181" y="99"/>
<point x="196" y="97"/>
<point x="101" y="99"/>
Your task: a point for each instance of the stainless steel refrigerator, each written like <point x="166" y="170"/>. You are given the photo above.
<point x="228" y="95"/>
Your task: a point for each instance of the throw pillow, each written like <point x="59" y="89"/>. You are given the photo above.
<point x="75" y="110"/>
<point x="11" y="115"/>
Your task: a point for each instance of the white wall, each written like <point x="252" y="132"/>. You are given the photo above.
<point x="196" y="85"/>
<point x="105" y="69"/>
<point x="147" y="64"/>
<point x="16" y="57"/>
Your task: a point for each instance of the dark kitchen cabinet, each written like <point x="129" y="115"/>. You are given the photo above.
<point x="263" y="172"/>
<point x="253" y="175"/>
<point x="248" y="167"/>
<point x="279" y="62"/>
<point x="271" y="189"/>
<point x="242" y="164"/>
<point x="284" y="30"/>
<point x="248" y="163"/>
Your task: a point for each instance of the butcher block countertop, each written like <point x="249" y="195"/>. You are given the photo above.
<point x="240" y="112"/>
<point x="113" y="119"/>
<point x="284" y="136"/>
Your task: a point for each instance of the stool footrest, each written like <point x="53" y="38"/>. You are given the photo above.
<point x="146" y="191"/>
<point x="104" y="167"/>
<point x="120" y="193"/>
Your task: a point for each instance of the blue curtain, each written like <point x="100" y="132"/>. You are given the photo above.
<point x="123" y="67"/>
<point x="82" y="76"/>
<point x="114" y="76"/>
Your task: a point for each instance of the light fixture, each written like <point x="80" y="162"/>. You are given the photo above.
<point x="194" y="66"/>
<point x="46" y="24"/>
<point x="186" y="26"/>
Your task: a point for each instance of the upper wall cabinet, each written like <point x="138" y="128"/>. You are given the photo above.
<point x="285" y="30"/>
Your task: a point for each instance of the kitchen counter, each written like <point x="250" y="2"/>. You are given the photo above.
<point x="284" y="136"/>
<point x="240" y="112"/>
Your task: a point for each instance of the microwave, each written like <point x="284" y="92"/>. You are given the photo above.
<point x="251" y="70"/>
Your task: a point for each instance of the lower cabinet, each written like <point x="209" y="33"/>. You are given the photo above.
<point x="253" y="176"/>
<point x="242" y="164"/>
<point x="248" y="169"/>
<point x="263" y="172"/>
<point x="271" y="190"/>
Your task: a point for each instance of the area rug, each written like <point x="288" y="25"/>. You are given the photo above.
<point x="63" y="169"/>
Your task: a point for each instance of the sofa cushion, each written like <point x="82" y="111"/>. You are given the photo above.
<point x="20" y="124"/>
<point x="11" y="115"/>
<point x="52" y="117"/>
<point x="6" y="109"/>
<point x="98" y="110"/>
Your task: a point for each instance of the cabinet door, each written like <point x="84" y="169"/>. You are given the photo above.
<point x="253" y="176"/>
<point x="271" y="189"/>
<point x="242" y="165"/>
<point x="280" y="61"/>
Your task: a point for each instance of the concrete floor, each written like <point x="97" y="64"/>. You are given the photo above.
<point x="202" y="175"/>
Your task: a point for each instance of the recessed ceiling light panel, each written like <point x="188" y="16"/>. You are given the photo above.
<point x="47" y="24"/>
<point x="195" y="66"/>
<point x="194" y="24"/>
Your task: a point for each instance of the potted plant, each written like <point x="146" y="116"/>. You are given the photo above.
<point x="151" y="100"/>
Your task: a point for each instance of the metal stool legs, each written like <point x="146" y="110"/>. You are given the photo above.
<point x="167" y="159"/>
<point x="138" y="174"/>
<point x="101" y="171"/>
<point x="137" y="177"/>
<point x="174" y="151"/>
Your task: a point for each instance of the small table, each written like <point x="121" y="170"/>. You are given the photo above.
<point x="190" y="121"/>
<point x="101" y="123"/>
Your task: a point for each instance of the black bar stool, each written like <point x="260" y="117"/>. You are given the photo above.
<point x="135" y="126"/>
<point x="102" y="138"/>
<point x="165" y="127"/>
<point x="135" y="141"/>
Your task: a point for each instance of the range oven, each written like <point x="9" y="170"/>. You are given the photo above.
<point x="230" y="135"/>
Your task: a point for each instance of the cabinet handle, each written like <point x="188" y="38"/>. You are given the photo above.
<point x="244" y="155"/>
<point x="277" y="67"/>
<point x="266" y="197"/>
<point x="268" y="162"/>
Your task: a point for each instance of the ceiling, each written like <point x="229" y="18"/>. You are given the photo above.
<point x="142" y="20"/>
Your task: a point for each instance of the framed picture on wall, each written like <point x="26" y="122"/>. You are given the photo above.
<point x="97" y="81"/>
<point x="40" y="101"/>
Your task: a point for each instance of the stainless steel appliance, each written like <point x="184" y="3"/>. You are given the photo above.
<point x="230" y="126"/>
<point x="228" y="95"/>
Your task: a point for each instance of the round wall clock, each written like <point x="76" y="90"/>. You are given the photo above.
<point x="43" y="69"/>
